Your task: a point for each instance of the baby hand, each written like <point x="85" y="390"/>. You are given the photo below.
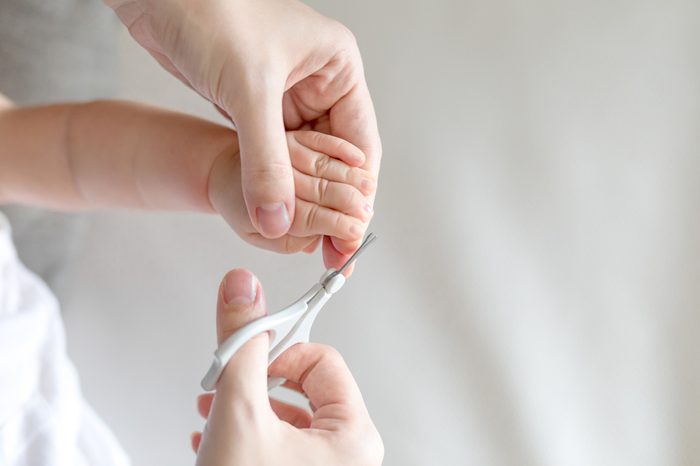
<point x="331" y="197"/>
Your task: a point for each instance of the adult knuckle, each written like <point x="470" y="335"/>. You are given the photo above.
<point x="270" y="169"/>
<point x="331" y="354"/>
<point x="269" y="173"/>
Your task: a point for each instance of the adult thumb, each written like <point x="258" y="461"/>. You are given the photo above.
<point x="241" y="392"/>
<point x="240" y="301"/>
<point x="266" y="169"/>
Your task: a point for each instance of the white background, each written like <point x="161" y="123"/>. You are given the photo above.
<point x="533" y="298"/>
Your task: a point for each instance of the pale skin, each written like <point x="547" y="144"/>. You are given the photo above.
<point x="245" y="427"/>
<point x="274" y="67"/>
<point x="125" y="155"/>
<point x="270" y="66"/>
<point x="117" y="154"/>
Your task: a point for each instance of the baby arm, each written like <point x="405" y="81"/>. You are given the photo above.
<point x="108" y="154"/>
<point x="117" y="154"/>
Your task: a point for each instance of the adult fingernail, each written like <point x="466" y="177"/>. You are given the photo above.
<point x="273" y="219"/>
<point x="240" y="289"/>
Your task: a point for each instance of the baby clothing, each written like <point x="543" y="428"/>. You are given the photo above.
<point x="44" y="420"/>
<point x="54" y="51"/>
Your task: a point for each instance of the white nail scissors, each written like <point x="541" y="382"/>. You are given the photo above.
<point x="287" y="327"/>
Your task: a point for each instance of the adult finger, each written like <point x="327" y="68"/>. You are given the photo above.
<point x="241" y="300"/>
<point x="240" y="400"/>
<point x="266" y="170"/>
<point x="352" y="118"/>
<point x="326" y="380"/>
<point x="291" y="414"/>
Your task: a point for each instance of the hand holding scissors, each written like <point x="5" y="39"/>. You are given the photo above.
<point x="287" y="327"/>
<point x="245" y="426"/>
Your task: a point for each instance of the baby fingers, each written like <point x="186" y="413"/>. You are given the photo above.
<point x="334" y="146"/>
<point x="313" y="219"/>
<point x="333" y="193"/>
<point x="319" y="165"/>
<point x="337" y="196"/>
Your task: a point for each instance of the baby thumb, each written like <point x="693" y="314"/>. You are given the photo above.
<point x="241" y="300"/>
<point x="266" y="169"/>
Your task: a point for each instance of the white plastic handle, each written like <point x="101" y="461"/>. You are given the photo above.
<point x="276" y="324"/>
<point x="287" y="327"/>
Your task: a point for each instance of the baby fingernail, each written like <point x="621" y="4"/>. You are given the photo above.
<point x="368" y="208"/>
<point x="273" y="219"/>
<point x="240" y="289"/>
<point x="367" y="186"/>
<point x="356" y="231"/>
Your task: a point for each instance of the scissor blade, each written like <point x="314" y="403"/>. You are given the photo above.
<point x="371" y="238"/>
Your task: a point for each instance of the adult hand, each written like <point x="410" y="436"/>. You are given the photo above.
<point x="244" y="427"/>
<point x="269" y="65"/>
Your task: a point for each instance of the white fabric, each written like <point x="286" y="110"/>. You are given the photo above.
<point x="533" y="298"/>
<point x="43" y="417"/>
